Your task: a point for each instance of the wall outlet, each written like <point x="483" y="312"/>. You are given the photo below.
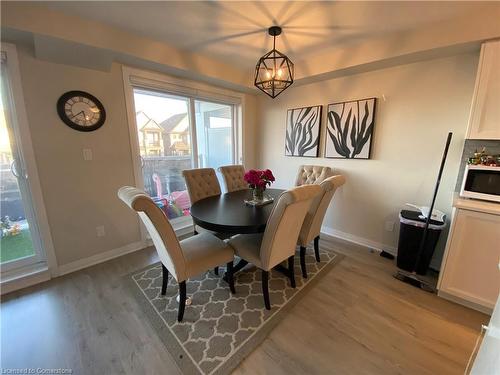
<point x="389" y="226"/>
<point x="87" y="154"/>
<point x="100" y="231"/>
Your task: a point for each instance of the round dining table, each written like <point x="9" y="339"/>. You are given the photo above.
<point x="227" y="213"/>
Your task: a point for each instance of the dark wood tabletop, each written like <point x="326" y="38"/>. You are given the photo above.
<point x="228" y="213"/>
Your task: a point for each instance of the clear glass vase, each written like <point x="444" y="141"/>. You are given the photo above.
<point x="258" y="194"/>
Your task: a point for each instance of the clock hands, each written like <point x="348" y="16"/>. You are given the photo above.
<point x="78" y="114"/>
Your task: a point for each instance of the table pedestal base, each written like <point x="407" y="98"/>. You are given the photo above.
<point x="238" y="267"/>
<point x="189" y="300"/>
<point x="242" y="263"/>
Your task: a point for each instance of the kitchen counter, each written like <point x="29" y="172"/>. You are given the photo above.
<point x="476" y="205"/>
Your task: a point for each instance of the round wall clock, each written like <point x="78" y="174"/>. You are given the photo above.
<point x="81" y="111"/>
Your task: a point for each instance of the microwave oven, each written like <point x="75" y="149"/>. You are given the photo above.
<point x="481" y="182"/>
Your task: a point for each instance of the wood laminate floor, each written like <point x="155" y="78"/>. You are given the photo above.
<point x="357" y="320"/>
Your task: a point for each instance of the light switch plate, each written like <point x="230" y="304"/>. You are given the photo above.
<point x="87" y="154"/>
<point x="100" y="231"/>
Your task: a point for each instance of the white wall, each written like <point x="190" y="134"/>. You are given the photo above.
<point x="423" y="102"/>
<point x="81" y="195"/>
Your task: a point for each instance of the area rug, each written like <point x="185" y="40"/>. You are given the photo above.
<point x="219" y="330"/>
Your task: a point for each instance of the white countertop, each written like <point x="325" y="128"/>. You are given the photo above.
<point x="476" y="205"/>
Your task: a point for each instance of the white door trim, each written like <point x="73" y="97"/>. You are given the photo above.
<point x="26" y="147"/>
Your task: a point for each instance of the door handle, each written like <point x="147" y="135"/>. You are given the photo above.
<point x="141" y="160"/>
<point x="16" y="172"/>
<point x="13" y="169"/>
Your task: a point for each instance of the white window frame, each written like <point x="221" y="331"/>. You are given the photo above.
<point x="45" y="259"/>
<point x="193" y="90"/>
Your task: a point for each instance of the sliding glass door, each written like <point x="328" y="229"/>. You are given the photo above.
<point x="19" y="240"/>
<point x="175" y="133"/>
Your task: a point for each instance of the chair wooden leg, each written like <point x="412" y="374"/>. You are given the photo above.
<point x="265" y="289"/>
<point x="291" y="270"/>
<point x="216" y="271"/>
<point x="303" y="262"/>
<point x="182" y="300"/>
<point x="195" y="232"/>
<point x="164" y="281"/>
<point x="230" y="277"/>
<point x="316" y="249"/>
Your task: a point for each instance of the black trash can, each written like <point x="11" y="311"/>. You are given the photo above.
<point x="411" y="231"/>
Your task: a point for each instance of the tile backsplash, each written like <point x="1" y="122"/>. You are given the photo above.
<point x="471" y="145"/>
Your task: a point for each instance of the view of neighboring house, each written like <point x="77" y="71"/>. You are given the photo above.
<point x="150" y="135"/>
<point x="169" y="138"/>
<point x="176" y="135"/>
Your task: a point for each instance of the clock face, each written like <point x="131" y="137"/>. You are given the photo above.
<point x="81" y="111"/>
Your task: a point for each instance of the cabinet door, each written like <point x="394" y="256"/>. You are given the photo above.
<point x="471" y="268"/>
<point x="484" y="122"/>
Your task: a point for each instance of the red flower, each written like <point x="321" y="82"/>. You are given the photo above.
<point x="259" y="179"/>
<point x="268" y="175"/>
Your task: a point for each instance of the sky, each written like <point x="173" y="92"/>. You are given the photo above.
<point x="158" y="107"/>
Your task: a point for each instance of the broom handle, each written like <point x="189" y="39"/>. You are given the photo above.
<point x="429" y="215"/>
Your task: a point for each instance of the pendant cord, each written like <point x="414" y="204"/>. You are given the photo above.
<point x="274" y="60"/>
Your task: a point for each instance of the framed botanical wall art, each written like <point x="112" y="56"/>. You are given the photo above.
<point x="302" y="131"/>
<point x="349" y="129"/>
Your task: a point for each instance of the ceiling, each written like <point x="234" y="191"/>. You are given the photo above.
<point x="237" y="31"/>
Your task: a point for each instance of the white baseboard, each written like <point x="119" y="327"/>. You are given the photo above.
<point x="461" y="301"/>
<point x="99" y="258"/>
<point x="359" y="240"/>
<point x="29" y="279"/>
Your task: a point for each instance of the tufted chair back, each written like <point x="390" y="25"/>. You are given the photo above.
<point x="282" y="230"/>
<point x="161" y="231"/>
<point x="233" y="177"/>
<point x="201" y="183"/>
<point x="311" y="227"/>
<point x="312" y="174"/>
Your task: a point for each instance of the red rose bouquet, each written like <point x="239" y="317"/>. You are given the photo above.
<point x="258" y="180"/>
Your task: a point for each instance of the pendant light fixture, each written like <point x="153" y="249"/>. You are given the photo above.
<point x="274" y="70"/>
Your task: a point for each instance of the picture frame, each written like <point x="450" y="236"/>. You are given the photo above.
<point x="303" y="131"/>
<point x="349" y="129"/>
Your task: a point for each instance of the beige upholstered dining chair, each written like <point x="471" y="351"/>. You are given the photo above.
<point x="202" y="183"/>
<point x="279" y="241"/>
<point x="311" y="226"/>
<point x="312" y="174"/>
<point x="233" y="177"/>
<point x="184" y="259"/>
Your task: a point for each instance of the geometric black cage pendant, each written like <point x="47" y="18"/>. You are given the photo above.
<point x="274" y="70"/>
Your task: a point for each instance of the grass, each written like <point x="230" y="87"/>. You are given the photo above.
<point x="14" y="247"/>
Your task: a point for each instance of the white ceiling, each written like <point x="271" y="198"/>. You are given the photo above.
<point x="237" y="31"/>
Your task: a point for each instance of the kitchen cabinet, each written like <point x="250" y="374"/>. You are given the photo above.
<point x="470" y="270"/>
<point x="484" y="120"/>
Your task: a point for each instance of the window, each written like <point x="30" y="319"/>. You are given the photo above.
<point x="214" y="131"/>
<point x="194" y="131"/>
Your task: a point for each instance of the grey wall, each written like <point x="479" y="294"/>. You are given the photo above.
<point x="418" y="104"/>
<point x="81" y="195"/>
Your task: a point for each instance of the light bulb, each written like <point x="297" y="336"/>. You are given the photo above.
<point x="280" y="72"/>
<point x="268" y="74"/>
